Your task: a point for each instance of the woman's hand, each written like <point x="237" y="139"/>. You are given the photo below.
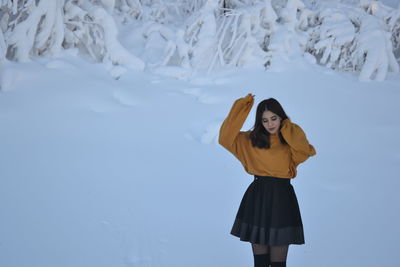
<point x="249" y="97"/>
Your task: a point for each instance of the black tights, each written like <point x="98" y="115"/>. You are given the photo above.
<point x="265" y="256"/>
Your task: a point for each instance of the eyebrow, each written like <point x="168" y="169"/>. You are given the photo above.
<point x="271" y="117"/>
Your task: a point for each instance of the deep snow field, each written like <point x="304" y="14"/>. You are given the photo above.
<point x="98" y="172"/>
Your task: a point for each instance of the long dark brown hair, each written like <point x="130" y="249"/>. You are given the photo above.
<point x="259" y="135"/>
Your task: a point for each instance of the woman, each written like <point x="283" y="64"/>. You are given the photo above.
<point x="269" y="216"/>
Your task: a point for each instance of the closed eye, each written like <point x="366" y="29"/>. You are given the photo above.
<point x="273" y="118"/>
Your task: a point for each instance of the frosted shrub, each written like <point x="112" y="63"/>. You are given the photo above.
<point x="128" y="9"/>
<point x="289" y="39"/>
<point x="393" y="20"/>
<point x="160" y="40"/>
<point x="375" y="40"/>
<point x="289" y="14"/>
<point x="191" y="47"/>
<point x="396" y="39"/>
<point x="45" y="27"/>
<point x="190" y="6"/>
<point x="4" y="16"/>
<point x="201" y="34"/>
<point x="3" y="47"/>
<point x="332" y="40"/>
<point x="92" y="28"/>
<point x="34" y="29"/>
<point x="229" y="34"/>
<point x="375" y="47"/>
<point x="351" y="39"/>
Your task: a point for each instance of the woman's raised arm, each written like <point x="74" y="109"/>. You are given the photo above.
<point x="234" y="122"/>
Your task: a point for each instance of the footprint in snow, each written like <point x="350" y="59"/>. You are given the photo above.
<point x="58" y="64"/>
<point x="202" y="97"/>
<point x="117" y="71"/>
<point x="196" y="92"/>
<point x="104" y="105"/>
<point x="134" y="260"/>
<point x="125" y="98"/>
<point x="209" y="99"/>
<point x="206" y="134"/>
<point x="222" y="81"/>
<point x="117" y="100"/>
<point x="8" y="79"/>
<point x="210" y="135"/>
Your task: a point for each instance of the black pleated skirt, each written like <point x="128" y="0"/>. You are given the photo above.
<point x="269" y="213"/>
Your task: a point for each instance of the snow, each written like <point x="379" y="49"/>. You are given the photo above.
<point x="103" y="172"/>
<point x="391" y="3"/>
<point x="108" y="4"/>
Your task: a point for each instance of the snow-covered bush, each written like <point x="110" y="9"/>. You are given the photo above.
<point x="34" y="28"/>
<point x="126" y="9"/>
<point x="289" y="39"/>
<point x="375" y="49"/>
<point x="92" y="28"/>
<point x="393" y="20"/>
<point x="227" y="33"/>
<point x="3" y="47"/>
<point x="190" y="6"/>
<point x="354" y="39"/>
<point x="201" y="34"/>
<point x="3" y="27"/>
<point x="332" y="40"/>
<point x="193" y="46"/>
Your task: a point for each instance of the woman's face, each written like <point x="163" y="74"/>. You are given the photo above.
<point x="271" y="122"/>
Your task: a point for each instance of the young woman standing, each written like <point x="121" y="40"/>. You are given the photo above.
<point x="269" y="216"/>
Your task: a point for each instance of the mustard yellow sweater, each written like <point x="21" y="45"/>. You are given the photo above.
<point x="279" y="160"/>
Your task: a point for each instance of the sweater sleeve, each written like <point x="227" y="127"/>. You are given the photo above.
<point x="300" y="149"/>
<point x="230" y="129"/>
